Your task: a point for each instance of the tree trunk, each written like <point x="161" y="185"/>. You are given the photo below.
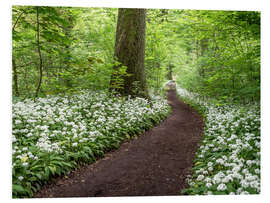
<point x="158" y="75"/>
<point x="169" y="71"/>
<point x="203" y="47"/>
<point x="40" y="57"/>
<point x="197" y="52"/>
<point x="15" y="77"/>
<point x="130" y="52"/>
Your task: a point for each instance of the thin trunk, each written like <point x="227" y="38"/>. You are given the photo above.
<point x="158" y="75"/>
<point x="216" y="48"/>
<point x="13" y="28"/>
<point x="15" y="77"/>
<point x="169" y="71"/>
<point x="40" y="57"/>
<point x="203" y="47"/>
<point x="197" y="54"/>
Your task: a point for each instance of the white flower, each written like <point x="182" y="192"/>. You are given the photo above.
<point x="237" y="175"/>
<point x="29" y="135"/>
<point x="257" y="171"/>
<point x="18" y="122"/>
<point x="244" y="183"/>
<point x="74" y="144"/>
<point x="221" y="187"/>
<point x="236" y="169"/>
<point x="208" y="185"/>
<point x="200" y="156"/>
<point x="221" y="161"/>
<point x="249" y="162"/>
<point x="200" y="177"/>
<point x="255" y="184"/>
<point x="25" y="164"/>
<point x="244" y="193"/>
<point x="20" y="177"/>
<point x="227" y="179"/>
<point x="14" y="138"/>
<point x="205" y="172"/>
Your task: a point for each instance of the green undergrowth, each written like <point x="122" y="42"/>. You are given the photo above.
<point x="55" y="135"/>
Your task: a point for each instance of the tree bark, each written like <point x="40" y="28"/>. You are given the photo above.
<point x="203" y="47"/>
<point x="169" y="71"/>
<point x="15" y="77"/>
<point x="40" y="57"/>
<point x="13" y="28"/>
<point x="130" y="52"/>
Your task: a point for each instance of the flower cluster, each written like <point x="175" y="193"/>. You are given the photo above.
<point x="52" y="135"/>
<point x="228" y="160"/>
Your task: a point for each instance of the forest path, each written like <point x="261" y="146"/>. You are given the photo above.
<point x="154" y="164"/>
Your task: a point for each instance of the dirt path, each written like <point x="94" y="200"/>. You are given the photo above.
<point x="154" y="164"/>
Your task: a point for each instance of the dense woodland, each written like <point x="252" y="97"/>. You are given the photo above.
<point x="61" y="50"/>
<point x="70" y="65"/>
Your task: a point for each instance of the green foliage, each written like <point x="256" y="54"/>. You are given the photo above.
<point x="216" y="53"/>
<point x="160" y="47"/>
<point x="225" y="54"/>
<point x="118" y="74"/>
<point x="77" y="52"/>
<point x="55" y="40"/>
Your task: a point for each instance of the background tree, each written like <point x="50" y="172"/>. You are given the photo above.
<point x="52" y="42"/>
<point x="40" y="56"/>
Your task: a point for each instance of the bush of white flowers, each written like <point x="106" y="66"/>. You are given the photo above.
<point x="54" y="135"/>
<point x="228" y="160"/>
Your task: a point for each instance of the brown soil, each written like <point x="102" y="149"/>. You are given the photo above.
<point x="156" y="163"/>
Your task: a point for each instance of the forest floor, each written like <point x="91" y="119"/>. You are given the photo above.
<point x="155" y="164"/>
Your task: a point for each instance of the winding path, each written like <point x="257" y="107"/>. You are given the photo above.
<point x="154" y="164"/>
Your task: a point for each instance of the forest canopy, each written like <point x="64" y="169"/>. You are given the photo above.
<point x="216" y="53"/>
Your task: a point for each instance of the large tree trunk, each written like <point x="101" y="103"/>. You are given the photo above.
<point x="130" y="51"/>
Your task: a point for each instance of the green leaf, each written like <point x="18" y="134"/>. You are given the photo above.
<point x="18" y="188"/>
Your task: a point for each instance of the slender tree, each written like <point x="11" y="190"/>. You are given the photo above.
<point x="40" y="57"/>
<point x="130" y="51"/>
<point x="15" y="77"/>
<point x="169" y="71"/>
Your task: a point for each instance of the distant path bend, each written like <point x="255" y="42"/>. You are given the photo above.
<point x="154" y="164"/>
